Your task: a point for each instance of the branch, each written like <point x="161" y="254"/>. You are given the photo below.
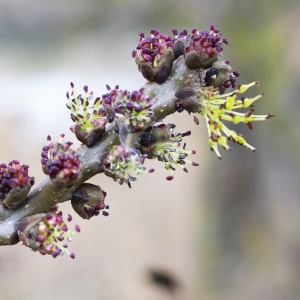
<point x="46" y="194"/>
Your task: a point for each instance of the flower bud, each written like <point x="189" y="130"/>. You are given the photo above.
<point x="221" y="76"/>
<point x="179" y="42"/>
<point x="189" y="99"/>
<point x="196" y="60"/>
<point x="15" y="183"/>
<point x="91" y="138"/>
<point x="88" y="200"/>
<point x="217" y="74"/>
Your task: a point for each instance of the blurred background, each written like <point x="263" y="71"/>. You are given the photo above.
<point x="228" y="229"/>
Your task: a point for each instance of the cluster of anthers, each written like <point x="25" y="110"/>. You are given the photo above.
<point x="60" y="162"/>
<point x="15" y="183"/>
<point x="151" y="49"/>
<point x="123" y="164"/>
<point x="46" y="233"/>
<point x="89" y="116"/>
<point x="134" y="111"/>
<point x="160" y="142"/>
<point x="216" y="108"/>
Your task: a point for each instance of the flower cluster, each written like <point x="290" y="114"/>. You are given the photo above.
<point x="45" y="233"/>
<point x="15" y="183"/>
<point x="200" y="48"/>
<point x="152" y="48"/>
<point x="120" y="164"/>
<point x="89" y="116"/>
<point x="160" y="142"/>
<point x="154" y="56"/>
<point x="216" y="107"/>
<point x="134" y="110"/>
<point x="60" y="162"/>
<point x="208" y="42"/>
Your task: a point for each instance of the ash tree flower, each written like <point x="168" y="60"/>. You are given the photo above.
<point x="123" y="164"/>
<point x="60" y="162"/>
<point x="216" y="108"/>
<point x="15" y="183"/>
<point x="134" y="111"/>
<point x="154" y="56"/>
<point x="89" y="116"/>
<point x="160" y="142"/>
<point x="45" y="233"/>
<point x="203" y="48"/>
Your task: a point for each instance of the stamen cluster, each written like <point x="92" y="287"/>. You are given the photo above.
<point x="86" y="112"/>
<point x="216" y="108"/>
<point x="151" y="49"/>
<point x="134" y="110"/>
<point x="46" y="234"/>
<point x="160" y="142"/>
<point x="205" y="41"/>
<point x="121" y="164"/>
<point x="60" y="161"/>
<point x="14" y="175"/>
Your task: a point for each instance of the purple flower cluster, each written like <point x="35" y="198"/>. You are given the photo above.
<point x="15" y="183"/>
<point x="60" y="161"/>
<point x="151" y="49"/>
<point x="134" y="110"/>
<point x="13" y="175"/>
<point x="120" y="164"/>
<point x="48" y="152"/>
<point x="208" y="42"/>
<point x="66" y="165"/>
<point x="46" y="232"/>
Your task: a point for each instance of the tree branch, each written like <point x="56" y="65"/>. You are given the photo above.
<point x="45" y="195"/>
